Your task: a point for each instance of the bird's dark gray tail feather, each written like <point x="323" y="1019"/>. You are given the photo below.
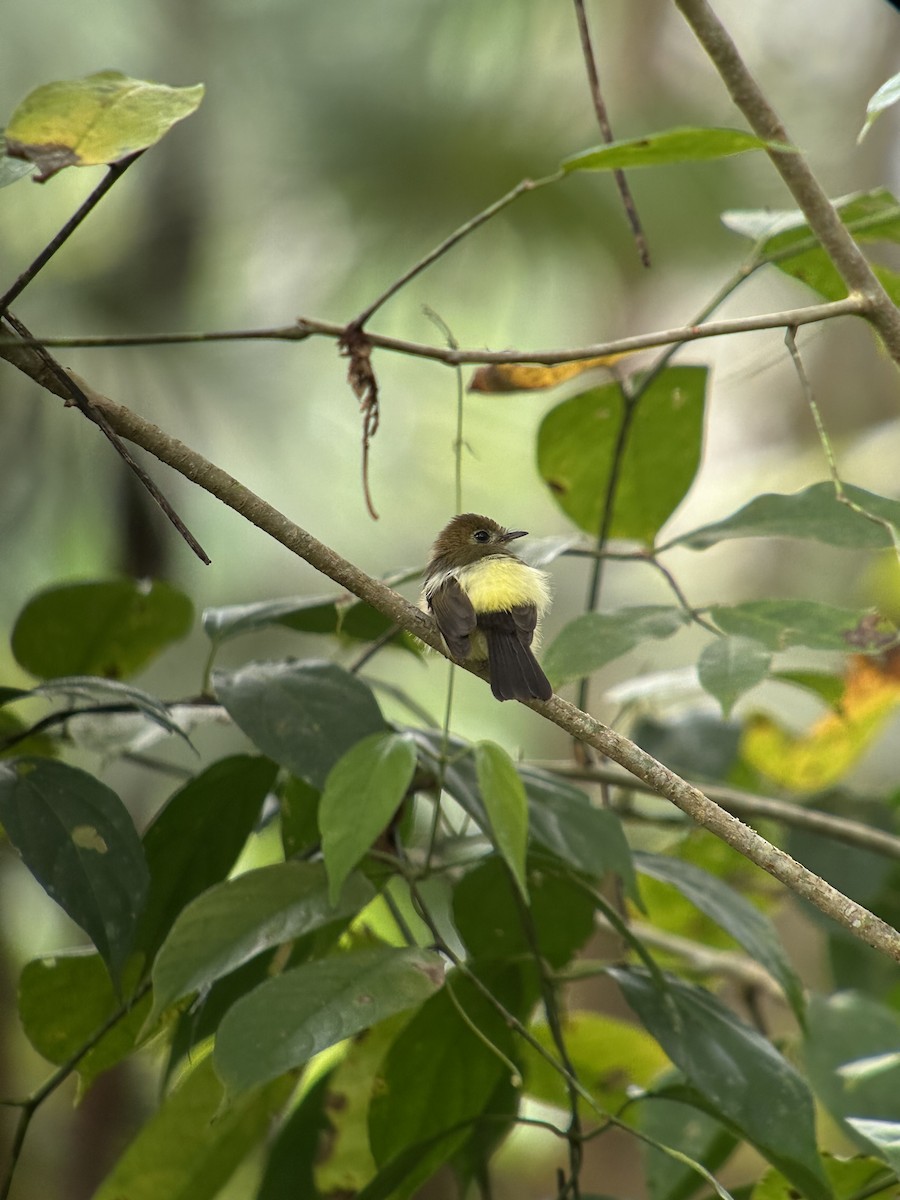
<point x="515" y="672"/>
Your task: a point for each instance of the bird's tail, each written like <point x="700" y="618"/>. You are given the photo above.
<point x="515" y="672"/>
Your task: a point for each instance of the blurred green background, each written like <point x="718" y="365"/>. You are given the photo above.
<point x="337" y="143"/>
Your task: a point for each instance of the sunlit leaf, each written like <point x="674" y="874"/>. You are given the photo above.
<point x="671" y="146"/>
<point x="285" y="1021"/>
<point x="822" y="755"/>
<point x="13" y="169"/>
<point x="884" y="1136"/>
<point x="101" y="118"/>
<point x="577" y="453"/>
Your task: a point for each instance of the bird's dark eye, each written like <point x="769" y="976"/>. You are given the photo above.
<point x="481" y="535"/>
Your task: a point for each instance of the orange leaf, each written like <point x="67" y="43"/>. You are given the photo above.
<point x="528" y="377"/>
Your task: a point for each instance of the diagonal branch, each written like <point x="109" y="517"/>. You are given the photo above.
<point x="820" y="213"/>
<point x="690" y="800"/>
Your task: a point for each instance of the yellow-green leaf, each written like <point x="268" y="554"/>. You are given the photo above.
<point x="101" y="118"/>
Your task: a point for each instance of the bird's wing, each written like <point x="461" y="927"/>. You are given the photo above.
<point x="455" y="616"/>
<point x="525" y="619"/>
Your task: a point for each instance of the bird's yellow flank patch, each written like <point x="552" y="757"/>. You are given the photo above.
<point x="498" y="584"/>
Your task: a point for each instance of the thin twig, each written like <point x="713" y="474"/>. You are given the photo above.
<point x="115" y="173"/>
<point x="73" y="393"/>
<point x="526" y="185"/>
<point x="590" y="63"/>
<point x="307" y="327"/>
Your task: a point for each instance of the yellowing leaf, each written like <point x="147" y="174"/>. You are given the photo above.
<point x="533" y="377"/>
<point x="826" y="752"/>
<point x="102" y="118"/>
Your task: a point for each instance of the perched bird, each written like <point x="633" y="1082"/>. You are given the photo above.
<point x="487" y="604"/>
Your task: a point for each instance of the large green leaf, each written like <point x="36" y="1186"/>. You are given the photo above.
<point x="504" y="799"/>
<point x="748" y="926"/>
<point x="562" y="912"/>
<point x="112" y="628"/>
<point x="362" y="793"/>
<point x="883" y="1136"/>
<point x="670" y="146"/>
<point x="195" y="839"/>
<point x="77" y="839"/>
<point x="739" y="1072"/>
<point x="783" y="624"/>
<point x="296" y="1147"/>
<point x="595" y="639"/>
<point x="101" y="118"/>
<point x="564" y="823"/>
<point x="234" y="921"/>
<point x="192" y="1144"/>
<point x="286" y="1020"/>
<point x="303" y="715"/>
<point x="577" y="444"/>
<point x="815" y="514"/>
<point x="64" y="999"/>
<point x="689" y="1130"/>
<point x="437" y="1072"/>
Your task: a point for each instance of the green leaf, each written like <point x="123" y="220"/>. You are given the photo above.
<point x="595" y="639"/>
<point x="101" y="118"/>
<point x="815" y="514"/>
<point x="299" y="805"/>
<point x="827" y="687"/>
<point x="94" y="691"/>
<point x="562" y="912"/>
<point x="303" y="715"/>
<point x="886" y="96"/>
<point x="77" y="839"/>
<point x="730" y="666"/>
<point x="854" y="1178"/>
<point x="563" y="822"/>
<point x="737" y="1070"/>
<point x="782" y="624"/>
<point x="884" y="1136"/>
<point x="437" y="1072"/>
<point x="362" y="793"/>
<point x="670" y="146"/>
<point x="111" y="629"/>
<point x="698" y="746"/>
<point x="64" y="999"/>
<point x="504" y="799"/>
<point x="192" y="1144"/>
<point x="195" y="839"/>
<point x="234" y="921"/>
<point x="785" y="240"/>
<point x="13" y="169"/>
<point x="286" y="1020"/>
<point x="577" y="447"/>
<point x="748" y="926"/>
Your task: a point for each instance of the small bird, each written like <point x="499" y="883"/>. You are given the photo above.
<point x="487" y="604"/>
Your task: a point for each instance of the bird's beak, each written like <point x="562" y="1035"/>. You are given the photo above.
<point x="511" y="534"/>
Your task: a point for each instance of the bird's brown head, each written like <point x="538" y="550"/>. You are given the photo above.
<point x="468" y="538"/>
